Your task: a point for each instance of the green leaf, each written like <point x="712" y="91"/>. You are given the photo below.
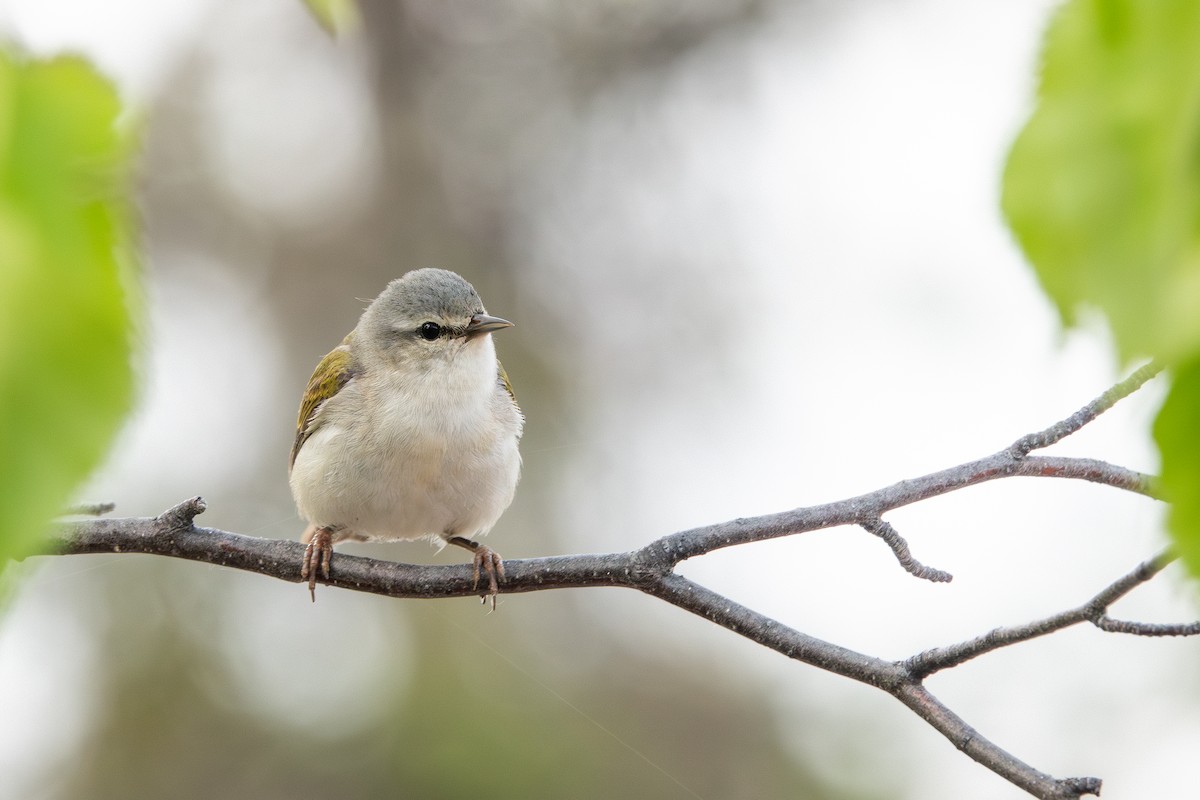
<point x="335" y="16"/>
<point x="1102" y="187"/>
<point x="66" y="287"/>
<point x="1177" y="430"/>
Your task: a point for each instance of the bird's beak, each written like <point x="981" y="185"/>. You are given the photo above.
<point x="482" y="323"/>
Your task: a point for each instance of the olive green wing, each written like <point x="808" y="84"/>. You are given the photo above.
<point x="503" y="376"/>
<point x="335" y="371"/>
<point x="504" y="381"/>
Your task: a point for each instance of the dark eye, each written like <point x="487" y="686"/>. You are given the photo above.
<point x="430" y="331"/>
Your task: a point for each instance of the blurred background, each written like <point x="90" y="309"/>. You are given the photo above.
<point x="754" y="253"/>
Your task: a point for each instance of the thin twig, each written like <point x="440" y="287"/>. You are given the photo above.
<point x="894" y="540"/>
<point x="1060" y="430"/>
<point x="89" y="509"/>
<point x="1094" y="610"/>
<point x="859" y="510"/>
<point x="998" y="760"/>
<point x="1107" y="623"/>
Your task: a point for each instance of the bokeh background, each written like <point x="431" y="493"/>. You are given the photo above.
<point x="755" y="258"/>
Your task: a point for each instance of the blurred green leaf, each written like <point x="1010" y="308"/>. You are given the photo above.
<point x="1177" y="431"/>
<point x="1101" y="186"/>
<point x="335" y="16"/>
<point x="66" y="269"/>
<point x="1102" y="189"/>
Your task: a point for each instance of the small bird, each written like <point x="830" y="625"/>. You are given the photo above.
<point x="409" y="428"/>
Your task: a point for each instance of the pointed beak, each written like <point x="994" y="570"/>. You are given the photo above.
<point x="482" y="323"/>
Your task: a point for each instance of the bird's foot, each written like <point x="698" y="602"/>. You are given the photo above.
<point x="490" y="562"/>
<point x="487" y="561"/>
<point x="316" y="559"/>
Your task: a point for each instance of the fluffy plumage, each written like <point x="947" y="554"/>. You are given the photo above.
<point x="409" y="429"/>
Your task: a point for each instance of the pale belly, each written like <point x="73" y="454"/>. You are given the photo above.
<point x="405" y="488"/>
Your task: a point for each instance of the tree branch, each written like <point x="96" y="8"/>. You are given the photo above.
<point x="650" y="570"/>
<point x="1060" y="430"/>
<point x="90" y="509"/>
<point x="894" y="540"/>
<point x="1095" y="611"/>
<point x="967" y="739"/>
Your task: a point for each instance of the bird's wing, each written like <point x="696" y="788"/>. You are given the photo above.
<point x="503" y="376"/>
<point x="333" y="373"/>
<point x="504" y="380"/>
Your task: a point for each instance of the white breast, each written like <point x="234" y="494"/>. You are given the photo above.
<point x="438" y="458"/>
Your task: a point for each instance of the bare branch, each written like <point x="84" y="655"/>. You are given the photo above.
<point x="679" y="591"/>
<point x="1095" y="610"/>
<point x="168" y="535"/>
<point x="967" y="739"/>
<point x="89" y="509"/>
<point x="894" y="540"/>
<point x="1009" y="462"/>
<point x="1111" y="625"/>
<point x="895" y="679"/>
<point x="1144" y="572"/>
<point x="1089" y="469"/>
<point x="1060" y="430"/>
<point x="1128" y="582"/>
<point x="861" y="510"/>
<point x="650" y="569"/>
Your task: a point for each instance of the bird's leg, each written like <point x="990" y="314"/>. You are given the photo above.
<point x="316" y="558"/>
<point x="487" y="560"/>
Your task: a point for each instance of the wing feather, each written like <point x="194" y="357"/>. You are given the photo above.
<point x="503" y="376"/>
<point x="334" y="372"/>
<point x="504" y="381"/>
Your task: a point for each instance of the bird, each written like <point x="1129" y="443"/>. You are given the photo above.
<point x="409" y="429"/>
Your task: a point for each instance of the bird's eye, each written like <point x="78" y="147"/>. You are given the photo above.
<point x="430" y="331"/>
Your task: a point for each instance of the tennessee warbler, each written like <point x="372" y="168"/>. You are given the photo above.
<point x="409" y="428"/>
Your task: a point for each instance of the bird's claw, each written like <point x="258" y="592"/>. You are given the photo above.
<point x="488" y="561"/>
<point x="316" y="559"/>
